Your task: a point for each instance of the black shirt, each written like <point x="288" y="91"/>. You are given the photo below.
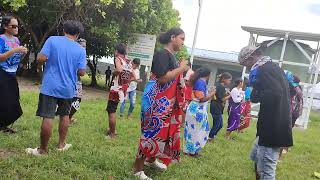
<point x="163" y="61"/>
<point x="271" y="89"/>
<point x="217" y="104"/>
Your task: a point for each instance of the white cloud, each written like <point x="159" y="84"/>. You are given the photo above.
<point x="221" y="21"/>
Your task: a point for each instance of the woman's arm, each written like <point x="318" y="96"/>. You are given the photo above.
<point x="171" y="75"/>
<point x="209" y="97"/>
<point x="8" y="54"/>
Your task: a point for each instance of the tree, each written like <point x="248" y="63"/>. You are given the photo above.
<point x="107" y="22"/>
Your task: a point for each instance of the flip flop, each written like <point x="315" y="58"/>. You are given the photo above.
<point x="65" y="148"/>
<point x="33" y="151"/>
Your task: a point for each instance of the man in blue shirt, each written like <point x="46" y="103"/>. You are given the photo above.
<point x="65" y="59"/>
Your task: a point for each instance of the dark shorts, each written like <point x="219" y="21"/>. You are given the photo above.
<point x="112" y="106"/>
<point x="76" y="103"/>
<point x="49" y="107"/>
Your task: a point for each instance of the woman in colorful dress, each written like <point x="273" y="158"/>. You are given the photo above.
<point x="196" y="131"/>
<point x="10" y="56"/>
<point x="234" y="108"/>
<point x="161" y="109"/>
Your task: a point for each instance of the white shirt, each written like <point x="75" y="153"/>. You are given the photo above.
<point x="133" y="84"/>
<point x="237" y="95"/>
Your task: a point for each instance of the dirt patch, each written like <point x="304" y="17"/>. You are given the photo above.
<point x="5" y="153"/>
<point x="88" y="92"/>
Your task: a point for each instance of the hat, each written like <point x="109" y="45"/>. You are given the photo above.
<point x="246" y="52"/>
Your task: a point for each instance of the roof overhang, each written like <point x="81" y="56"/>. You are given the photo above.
<point x="282" y="33"/>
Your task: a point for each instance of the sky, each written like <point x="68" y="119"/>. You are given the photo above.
<point x="221" y="20"/>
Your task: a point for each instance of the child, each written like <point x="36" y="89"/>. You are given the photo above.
<point x="245" y="115"/>
<point x="123" y="75"/>
<point x="75" y="106"/>
<point x="187" y="93"/>
<point x="132" y="89"/>
<point x="218" y="103"/>
<point x="197" y="126"/>
<point x="234" y="108"/>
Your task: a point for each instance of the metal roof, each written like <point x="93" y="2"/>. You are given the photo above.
<point x="216" y="55"/>
<point x="281" y="33"/>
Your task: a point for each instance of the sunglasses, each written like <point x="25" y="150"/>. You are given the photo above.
<point x="14" y="26"/>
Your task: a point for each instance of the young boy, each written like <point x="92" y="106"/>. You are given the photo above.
<point x="132" y="89"/>
<point x="75" y="106"/>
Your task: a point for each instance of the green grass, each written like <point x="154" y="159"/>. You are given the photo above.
<point x="101" y="80"/>
<point x="93" y="157"/>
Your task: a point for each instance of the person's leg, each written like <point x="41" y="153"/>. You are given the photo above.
<point x="112" y="123"/>
<point x="139" y="164"/>
<point x="132" y="99"/>
<point x="63" y="130"/>
<point x="220" y="123"/>
<point x="45" y="134"/>
<point x="64" y="107"/>
<point x="267" y="162"/>
<point x="112" y="116"/>
<point x="46" y="109"/>
<point x="214" y="124"/>
<point x="122" y="108"/>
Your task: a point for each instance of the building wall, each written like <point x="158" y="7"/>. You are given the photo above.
<point x="292" y="54"/>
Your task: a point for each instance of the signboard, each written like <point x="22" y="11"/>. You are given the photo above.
<point x="143" y="48"/>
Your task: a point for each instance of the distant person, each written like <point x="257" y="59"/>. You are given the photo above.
<point x="65" y="59"/>
<point x="296" y="103"/>
<point x="162" y="102"/>
<point x="271" y="89"/>
<point x="123" y="75"/>
<point x="196" y="131"/>
<point x="234" y="108"/>
<point x="131" y="94"/>
<point x="108" y="76"/>
<point x="218" y="103"/>
<point x="10" y="56"/>
<point x="75" y="106"/>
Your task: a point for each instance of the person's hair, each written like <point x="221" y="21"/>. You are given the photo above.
<point x="73" y="27"/>
<point x="165" y="38"/>
<point x="199" y="73"/>
<point x="224" y="76"/>
<point x="237" y="82"/>
<point x="121" y="48"/>
<point x="5" y="21"/>
<point x="296" y="79"/>
<point x="136" y="61"/>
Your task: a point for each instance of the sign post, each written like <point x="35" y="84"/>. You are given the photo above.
<point x="143" y="48"/>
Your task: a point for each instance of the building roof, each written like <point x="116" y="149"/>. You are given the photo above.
<point x="216" y="55"/>
<point x="281" y="33"/>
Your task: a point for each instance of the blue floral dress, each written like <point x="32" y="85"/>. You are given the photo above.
<point x="197" y="128"/>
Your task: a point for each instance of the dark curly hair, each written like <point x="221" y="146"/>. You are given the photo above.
<point x="73" y="27"/>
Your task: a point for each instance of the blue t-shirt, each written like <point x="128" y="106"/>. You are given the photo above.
<point x="6" y="44"/>
<point x="65" y="58"/>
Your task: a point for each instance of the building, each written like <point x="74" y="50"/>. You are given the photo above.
<point x="218" y="62"/>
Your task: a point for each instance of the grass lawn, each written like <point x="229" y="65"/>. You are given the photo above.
<point x="93" y="157"/>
